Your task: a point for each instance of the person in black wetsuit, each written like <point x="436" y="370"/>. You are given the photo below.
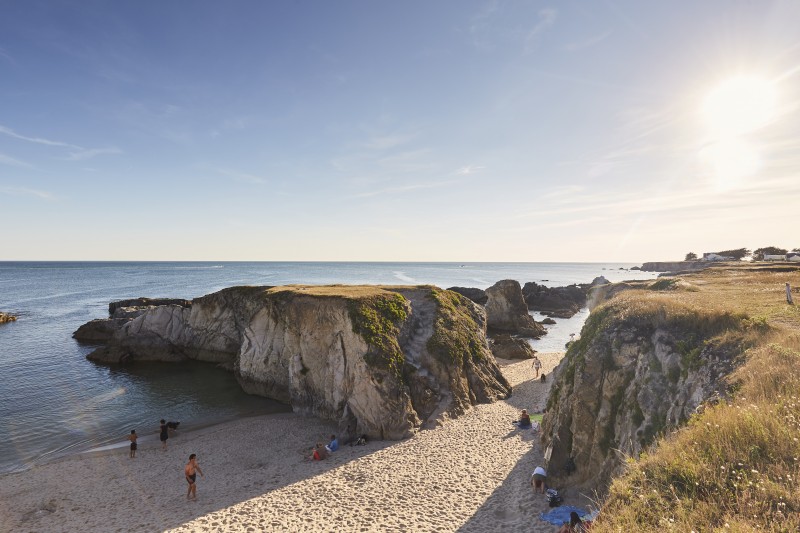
<point x="164" y="434"/>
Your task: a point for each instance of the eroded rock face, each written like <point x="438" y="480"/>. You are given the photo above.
<point x="507" y="312"/>
<point x="509" y="347"/>
<point x="560" y="302"/>
<point x="628" y="379"/>
<point x="381" y="361"/>
<point x="476" y="295"/>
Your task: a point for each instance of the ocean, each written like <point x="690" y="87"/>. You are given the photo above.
<point x="53" y="402"/>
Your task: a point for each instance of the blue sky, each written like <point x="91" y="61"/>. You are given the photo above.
<point x="407" y="131"/>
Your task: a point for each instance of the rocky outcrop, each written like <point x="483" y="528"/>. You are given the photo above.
<point x="641" y="367"/>
<point x="560" y="302"/>
<point x="7" y="317"/>
<point x="509" y="347"/>
<point x="674" y="266"/>
<point x="384" y="361"/>
<point x="507" y="312"/>
<point x="476" y="295"/>
<point x="143" y="303"/>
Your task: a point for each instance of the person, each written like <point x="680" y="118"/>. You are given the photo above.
<point x="190" y="471"/>
<point x="575" y="524"/>
<point x="538" y="479"/>
<point x="132" y="437"/>
<point x="537" y="365"/>
<point x="789" y="294"/>
<point x="333" y="445"/>
<point x="535" y="426"/>
<point x="524" y="419"/>
<point x="164" y="434"/>
<point x="320" y="453"/>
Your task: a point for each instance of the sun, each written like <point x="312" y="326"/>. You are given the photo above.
<point x="740" y="105"/>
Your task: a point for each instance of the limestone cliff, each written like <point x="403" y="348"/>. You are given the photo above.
<point x="383" y="361"/>
<point x="643" y="364"/>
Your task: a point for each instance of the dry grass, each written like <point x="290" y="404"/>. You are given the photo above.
<point x="340" y="291"/>
<point x="736" y="466"/>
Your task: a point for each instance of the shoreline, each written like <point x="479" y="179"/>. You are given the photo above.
<point x="468" y="474"/>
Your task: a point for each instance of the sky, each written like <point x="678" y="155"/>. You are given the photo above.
<point x="397" y="131"/>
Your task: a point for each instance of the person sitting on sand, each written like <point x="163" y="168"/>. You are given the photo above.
<point x="132" y="437"/>
<point x="333" y="445"/>
<point x="575" y="524"/>
<point x="524" y="419"/>
<point x="320" y="453"/>
<point x="538" y="479"/>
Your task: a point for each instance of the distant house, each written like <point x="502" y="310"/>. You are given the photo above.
<point x="768" y="257"/>
<point x="793" y="256"/>
<point x="713" y="256"/>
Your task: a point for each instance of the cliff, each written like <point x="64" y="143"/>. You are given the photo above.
<point x="674" y="266"/>
<point x="384" y="361"/>
<point x="645" y="362"/>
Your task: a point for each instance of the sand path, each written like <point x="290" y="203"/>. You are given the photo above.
<point x="469" y="474"/>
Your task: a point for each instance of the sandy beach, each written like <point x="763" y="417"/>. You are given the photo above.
<point x="469" y="474"/>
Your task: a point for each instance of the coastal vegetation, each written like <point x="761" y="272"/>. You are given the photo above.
<point x="736" y="465"/>
<point x="455" y="333"/>
<point x="7" y="317"/>
<point x="377" y="318"/>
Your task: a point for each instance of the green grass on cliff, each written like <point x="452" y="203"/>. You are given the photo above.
<point x="377" y="318"/>
<point x="736" y="465"/>
<point x="455" y="334"/>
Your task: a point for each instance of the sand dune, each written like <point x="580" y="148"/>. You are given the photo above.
<point x="469" y="474"/>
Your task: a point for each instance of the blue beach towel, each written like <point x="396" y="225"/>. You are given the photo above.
<point x="560" y="515"/>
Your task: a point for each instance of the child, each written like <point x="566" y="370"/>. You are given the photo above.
<point x="132" y="437"/>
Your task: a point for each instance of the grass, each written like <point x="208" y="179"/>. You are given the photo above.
<point x="455" y="331"/>
<point x="377" y="317"/>
<point x="736" y="465"/>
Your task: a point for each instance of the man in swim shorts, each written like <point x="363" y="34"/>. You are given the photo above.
<point x="190" y="471"/>
<point x="132" y="437"/>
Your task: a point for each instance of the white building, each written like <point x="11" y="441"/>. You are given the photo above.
<point x="793" y="256"/>
<point x="713" y="256"/>
<point x="769" y="257"/>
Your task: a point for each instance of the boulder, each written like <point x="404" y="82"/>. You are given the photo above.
<point x="549" y="321"/>
<point x="382" y="361"/>
<point x="560" y="302"/>
<point x="507" y="312"/>
<point x="476" y="295"/>
<point x="508" y="347"/>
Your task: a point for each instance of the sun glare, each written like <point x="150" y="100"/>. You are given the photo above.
<point x="733" y="111"/>
<point x="740" y="105"/>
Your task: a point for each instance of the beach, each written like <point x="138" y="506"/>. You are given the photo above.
<point x="471" y="473"/>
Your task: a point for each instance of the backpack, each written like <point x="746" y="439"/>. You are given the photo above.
<point x="553" y="498"/>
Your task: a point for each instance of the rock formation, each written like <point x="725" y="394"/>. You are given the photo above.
<point x="6" y="317"/>
<point x="508" y="347"/>
<point x="674" y="266"/>
<point x="476" y="295"/>
<point x="640" y="367"/>
<point x="507" y="312"/>
<point x="560" y="302"/>
<point x="383" y="361"/>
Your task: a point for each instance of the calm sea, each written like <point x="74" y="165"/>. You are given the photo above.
<point x="54" y="402"/>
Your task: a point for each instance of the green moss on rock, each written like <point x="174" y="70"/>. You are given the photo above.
<point x="377" y="320"/>
<point x="456" y="335"/>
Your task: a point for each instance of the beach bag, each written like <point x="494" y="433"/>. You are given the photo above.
<point x="553" y="498"/>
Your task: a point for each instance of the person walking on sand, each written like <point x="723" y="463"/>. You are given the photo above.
<point x="537" y="365"/>
<point x="163" y="434"/>
<point x="132" y="437"/>
<point x="190" y="471"/>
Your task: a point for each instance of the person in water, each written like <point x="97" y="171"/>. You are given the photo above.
<point x="132" y="437"/>
<point x="163" y="434"/>
<point x="190" y="471"/>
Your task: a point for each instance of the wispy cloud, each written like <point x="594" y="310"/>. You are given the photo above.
<point x="8" y="160"/>
<point x="241" y="176"/>
<point x="38" y="140"/>
<point x="385" y="142"/>
<point x="404" y="188"/>
<point x="5" y="55"/>
<point x="469" y="169"/>
<point x="82" y="154"/>
<point x="22" y="191"/>
<point x="587" y="43"/>
<point x="547" y="17"/>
